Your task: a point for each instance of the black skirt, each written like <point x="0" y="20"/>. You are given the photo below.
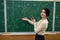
<point x="39" y="37"/>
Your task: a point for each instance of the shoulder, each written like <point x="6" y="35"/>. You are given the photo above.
<point x="45" y="22"/>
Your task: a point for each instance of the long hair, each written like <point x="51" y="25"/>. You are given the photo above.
<point x="47" y="12"/>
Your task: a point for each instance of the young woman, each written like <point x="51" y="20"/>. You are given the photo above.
<point x="40" y="26"/>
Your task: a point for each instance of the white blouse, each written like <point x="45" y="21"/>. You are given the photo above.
<point x="40" y="26"/>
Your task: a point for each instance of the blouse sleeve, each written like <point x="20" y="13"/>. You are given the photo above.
<point x="31" y="22"/>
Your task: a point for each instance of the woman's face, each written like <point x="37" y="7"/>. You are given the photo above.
<point x="43" y="14"/>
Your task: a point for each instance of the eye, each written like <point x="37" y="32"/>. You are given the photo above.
<point x="43" y="12"/>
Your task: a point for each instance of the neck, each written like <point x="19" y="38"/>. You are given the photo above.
<point x="44" y="18"/>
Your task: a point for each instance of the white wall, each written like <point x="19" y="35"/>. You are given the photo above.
<point x="32" y="0"/>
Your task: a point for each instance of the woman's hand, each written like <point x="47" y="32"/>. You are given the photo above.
<point x="25" y="19"/>
<point x="32" y="19"/>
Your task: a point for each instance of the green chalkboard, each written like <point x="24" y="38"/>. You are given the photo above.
<point x="57" y="17"/>
<point x="2" y="29"/>
<point x="19" y="9"/>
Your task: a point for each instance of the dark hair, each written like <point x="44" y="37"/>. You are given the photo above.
<point x="47" y="12"/>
